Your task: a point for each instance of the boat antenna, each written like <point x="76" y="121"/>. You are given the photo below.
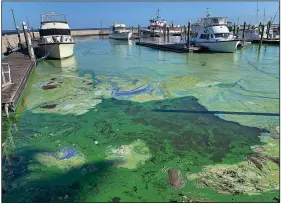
<point x="208" y="14"/>
<point x="158" y="13"/>
<point x="264" y="16"/>
<point x="257" y="12"/>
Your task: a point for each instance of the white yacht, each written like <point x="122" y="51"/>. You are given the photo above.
<point x="55" y="37"/>
<point x="119" y="32"/>
<point x="213" y="34"/>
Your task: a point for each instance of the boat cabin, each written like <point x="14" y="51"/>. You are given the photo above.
<point x="54" y="28"/>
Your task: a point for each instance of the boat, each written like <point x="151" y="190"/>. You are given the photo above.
<point x="213" y="34"/>
<point x="119" y="32"/>
<point x="55" y="40"/>
<point x="156" y="27"/>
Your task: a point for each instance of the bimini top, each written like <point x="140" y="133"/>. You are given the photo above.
<point x="53" y="17"/>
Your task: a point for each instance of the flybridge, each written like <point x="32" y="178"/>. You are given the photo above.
<point x="53" y="17"/>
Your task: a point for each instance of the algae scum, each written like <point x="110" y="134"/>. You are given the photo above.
<point x="121" y="123"/>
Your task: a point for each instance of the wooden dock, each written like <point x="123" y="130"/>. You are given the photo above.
<point x="175" y="47"/>
<point x="264" y="41"/>
<point x="21" y="66"/>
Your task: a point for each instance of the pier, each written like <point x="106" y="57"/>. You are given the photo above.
<point x="175" y="47"/>
<point x="20" y="67"/>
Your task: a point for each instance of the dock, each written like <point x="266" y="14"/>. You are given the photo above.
<point x="175" y="47"/>
<point x="20" y="68"/>
<point x="265" y="41"/>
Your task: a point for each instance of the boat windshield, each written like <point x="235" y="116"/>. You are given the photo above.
<point x="221" y="35"/>
<point x="53" y="17"/>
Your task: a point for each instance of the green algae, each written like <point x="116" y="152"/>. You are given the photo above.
<point x="129" y="156"/>
<point x="158" y="141"/>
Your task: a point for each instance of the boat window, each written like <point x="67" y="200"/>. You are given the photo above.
<point x="54" y="31"/>
<point x="222" y="35"/>
<point x="215" y="20"/>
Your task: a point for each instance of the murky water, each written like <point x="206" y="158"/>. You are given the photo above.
<point x="120" y="117"/>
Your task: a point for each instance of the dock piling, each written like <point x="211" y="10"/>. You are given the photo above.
<point x="139" y="32"/>
<point x="267" y="31"/>
<point x="188" y="34"/>
<point x="167" y="34"/>
<point x="181" y="33"/>
<point x="234" y="29"/>
<point x="185" y="33"/>
<point x="17" y="29"/>
<point x="32" y="33"/>
<point x="244" y="28"/>
<point x="261" y="37"/>
<point x="28" y="42"/>
<point x="237" y="32"/>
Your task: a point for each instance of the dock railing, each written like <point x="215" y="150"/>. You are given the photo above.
<point x="6" y="75"/>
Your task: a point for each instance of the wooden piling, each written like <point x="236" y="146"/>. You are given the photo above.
<point x="234" y="29"/>
<point x="188" y="34"/>
<point x="259" y="26"/>
<point x="244" y="28"/>
<point x="167" y="34"/>
<point x="268" y="28"/>
<point x="181" y="32"/>
<point x="139" y="32"/>
<point x="28" y="42"/>
<point x="185" y="33"/>
<point x="237" y="33"/>
<point x="164" y="33"/>
<point x="261" y="37"/>
<point x="17" y="29"/>
<point x="32" y="33"/>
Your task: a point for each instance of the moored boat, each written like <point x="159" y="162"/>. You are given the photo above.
<point x="119" y="32"/>
<point x="55" y="37"/>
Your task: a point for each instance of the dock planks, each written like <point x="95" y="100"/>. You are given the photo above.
<point x="21" y="67"/>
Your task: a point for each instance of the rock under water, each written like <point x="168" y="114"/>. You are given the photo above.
<point x="174" y="179"/>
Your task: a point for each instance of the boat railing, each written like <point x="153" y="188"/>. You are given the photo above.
<point x="6" y="75"/>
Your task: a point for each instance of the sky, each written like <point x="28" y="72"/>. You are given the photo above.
<point x="90" y="14"/>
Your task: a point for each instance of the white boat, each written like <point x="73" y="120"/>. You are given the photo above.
<point x="156" y="27"/>
<point x="55" y="37"/>
<point x="119" y="32"/>
<point x="253" y="34"/>
<point x="213" y="34"/>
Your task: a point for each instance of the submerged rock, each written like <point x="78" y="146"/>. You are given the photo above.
<point x="51" y="106"/>
<point x="174" y="179"/>
<point x="115" y="199"/>
<point x="49" y="86"/>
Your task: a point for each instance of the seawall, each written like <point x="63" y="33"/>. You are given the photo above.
<point x="12" y="39"/>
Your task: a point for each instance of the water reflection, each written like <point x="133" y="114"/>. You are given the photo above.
<point x="67" y="63"/>
<point x="120" y="42"/>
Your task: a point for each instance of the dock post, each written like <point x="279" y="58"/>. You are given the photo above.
<point x="185" y="33"/>
<point x="268" y="28"/>
<point x="259" y="26"/>
<point x="28" y="42"/>
<point x="164" y="32"/>
<point x="234" y="29"/>
<point x="167" y="34"/>
<point x="261" y="37"/>
<point x="237" y="33"/>
<point x="7" y="109"/>
<point x="17" y="29"/>
<point x="188" y="34"/>
<point x="132" y="30"/>
<point x="32" y="33"/>
<point x="181" y="33"/>
<point x="244" y="28"/>
<point x="139" y="32"/>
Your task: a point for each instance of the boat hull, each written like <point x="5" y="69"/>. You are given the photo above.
<point x="121" y="36"/>
<point x="55" y="50"/>
<point x="221" y="46"/>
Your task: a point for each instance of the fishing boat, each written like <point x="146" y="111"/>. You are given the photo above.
<point x="213" y="34"/>
<point x="55" y="37"/>
<point x="119" y="32"/>
<point x="156" y="27"/>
